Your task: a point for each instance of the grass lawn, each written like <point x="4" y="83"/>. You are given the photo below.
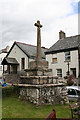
<point x="12" y="107"/>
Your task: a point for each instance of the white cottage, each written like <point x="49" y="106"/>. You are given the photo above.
<point x="3" y="53"/>
<point x="19" y="56"/>
<point x="63" y="56"/>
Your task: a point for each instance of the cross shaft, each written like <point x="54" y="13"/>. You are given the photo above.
<point x="38" y="54"/>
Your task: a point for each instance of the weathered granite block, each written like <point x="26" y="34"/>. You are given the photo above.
<point x="38" y="64"/>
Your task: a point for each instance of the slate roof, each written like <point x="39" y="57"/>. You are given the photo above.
<point x="65" y="44"/>
<point x="11" y="61"/>
<point x="3" y="51"/>
<point x="29" y="50"/>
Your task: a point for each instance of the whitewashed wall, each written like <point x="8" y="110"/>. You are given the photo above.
<point x="17" y="53"/>
<point x="61" y="64"/>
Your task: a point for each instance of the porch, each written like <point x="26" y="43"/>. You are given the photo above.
<point x="12" y="65"/>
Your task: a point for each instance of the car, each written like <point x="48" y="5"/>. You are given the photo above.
<point x="73" y="93"/>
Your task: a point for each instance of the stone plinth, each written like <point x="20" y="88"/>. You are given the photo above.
<point x="44" y="94"/>
<point x="38" y="72"/>
<point x="38" y="64"/>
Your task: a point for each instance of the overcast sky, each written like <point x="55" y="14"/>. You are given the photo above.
<point x="17" y="18"/>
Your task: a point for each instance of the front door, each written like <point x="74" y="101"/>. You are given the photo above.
<point x="8" y="68"/>
<point x="14" y="68"/>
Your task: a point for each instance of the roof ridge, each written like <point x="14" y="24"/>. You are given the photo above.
<point x="26" y="44"/>
<point x="31" y="45"/>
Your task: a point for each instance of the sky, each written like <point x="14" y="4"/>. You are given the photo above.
<point x="17" y="19"/>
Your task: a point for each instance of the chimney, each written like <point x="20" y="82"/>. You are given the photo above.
<point x="61" y="34"/>
<point x="7" y="48"/>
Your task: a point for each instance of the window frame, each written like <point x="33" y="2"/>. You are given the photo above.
<point x="67" y="56"/>
<point x="54" y="56"/>
<point x="59" y="73"/>
<point x="53" y="61"/>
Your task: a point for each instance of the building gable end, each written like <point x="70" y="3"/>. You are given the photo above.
<point x="18" y="47"/>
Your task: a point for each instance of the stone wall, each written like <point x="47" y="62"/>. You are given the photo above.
<point x="14" y="78"/>
<point x="46" y="94"/>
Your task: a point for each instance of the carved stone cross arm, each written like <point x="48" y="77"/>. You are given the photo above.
<point x="38" y="24"/>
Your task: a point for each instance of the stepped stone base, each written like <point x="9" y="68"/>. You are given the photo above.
<point x="38" y="80"/>
<point x="40" y="87"/>
<point x="38" y="72"/>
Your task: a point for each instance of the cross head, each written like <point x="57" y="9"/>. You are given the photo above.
<point x="38" y="24"/>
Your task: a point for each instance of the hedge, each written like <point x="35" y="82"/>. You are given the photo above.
<point x="10" y="91"/>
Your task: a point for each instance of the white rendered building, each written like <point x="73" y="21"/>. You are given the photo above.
<point x="63" y="56"/>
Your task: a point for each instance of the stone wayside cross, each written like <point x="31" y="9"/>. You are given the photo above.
<point x="38" y="56"/>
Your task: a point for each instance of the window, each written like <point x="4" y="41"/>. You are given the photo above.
<point x="0" y="68"/>
<point x="59" y="73"/>
<point x="67" y="56"/>
<point x="78" y="92"/>
<point x="54" y="60"/>
<point x="71" y="92"/>
<point x="0" y="59"/>
<point x="23" y="63"/>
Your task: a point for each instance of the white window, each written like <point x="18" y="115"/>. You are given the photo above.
<point x="67" y="56"/>
<point x="0" y="68"/>
<point x="59" y="73"/>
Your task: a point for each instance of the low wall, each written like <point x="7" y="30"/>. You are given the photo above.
<point x="44" y="94"/>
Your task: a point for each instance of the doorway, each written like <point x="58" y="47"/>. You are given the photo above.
<point x="73" y="70"/>
<point x="14" y="68"/>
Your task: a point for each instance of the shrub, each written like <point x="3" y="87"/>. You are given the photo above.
<point x="70" y="80"/>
